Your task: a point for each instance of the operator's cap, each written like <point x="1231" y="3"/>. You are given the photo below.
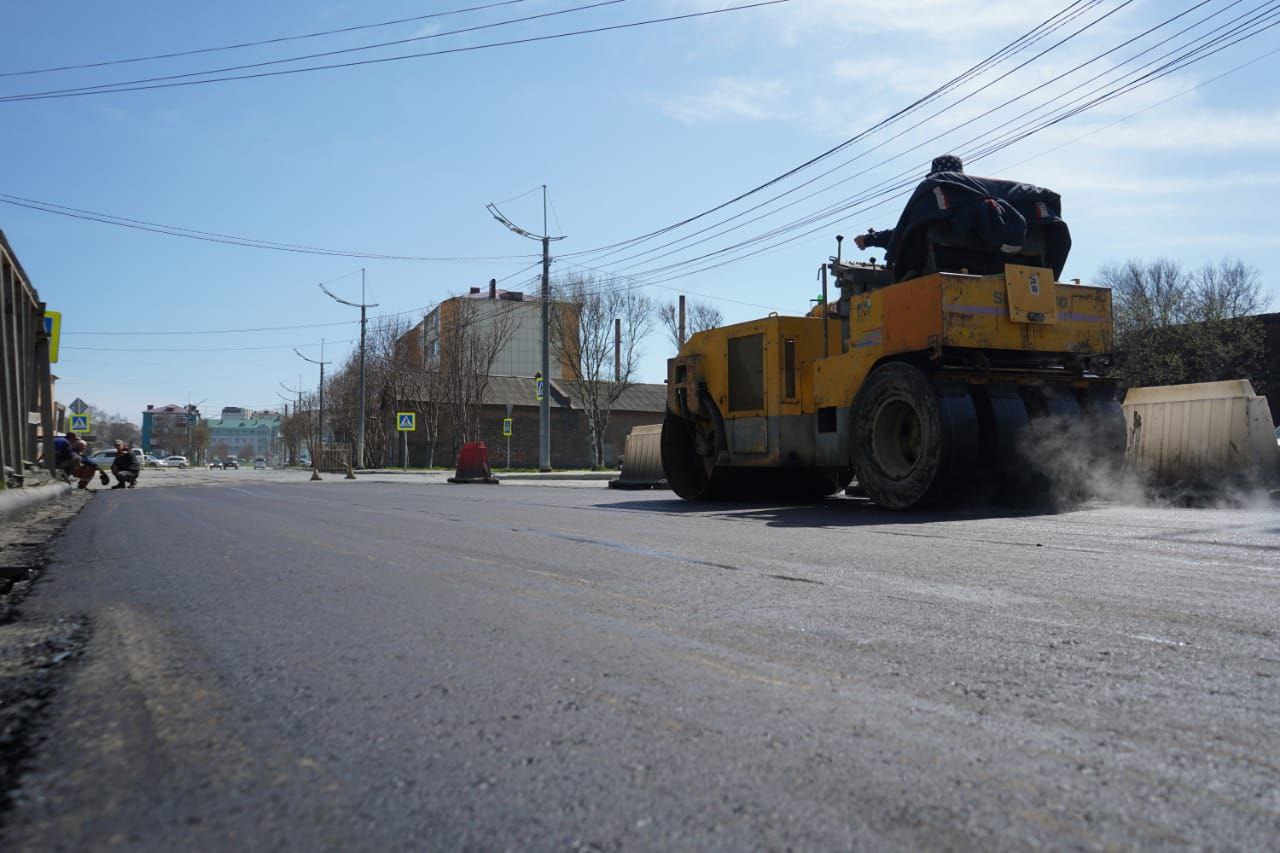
<point x="946" y="163"/>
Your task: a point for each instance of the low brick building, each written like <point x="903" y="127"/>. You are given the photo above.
<point x="639" y="405"/>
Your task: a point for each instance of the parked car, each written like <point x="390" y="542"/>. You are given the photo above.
<point x="103" y="459"/>
<point x="153" y="461"/>
<point x="231" y="462"/>
<point x="176" y="462"/>
<point x="260" y="463"/>
<point x="215" y="465"/>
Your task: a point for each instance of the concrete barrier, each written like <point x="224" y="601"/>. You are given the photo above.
<point x="1211" y="435"/>
<point x="642" y="460"/>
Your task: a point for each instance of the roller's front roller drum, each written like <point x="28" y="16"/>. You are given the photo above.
<point x="688" y="460"/>
<point x="915" y="442"/>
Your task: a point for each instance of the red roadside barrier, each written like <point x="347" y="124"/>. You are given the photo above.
<point x="473" y="465"/>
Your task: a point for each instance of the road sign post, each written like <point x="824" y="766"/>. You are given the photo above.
<point x="506" y="430"/>
<point x="406" y="422"/>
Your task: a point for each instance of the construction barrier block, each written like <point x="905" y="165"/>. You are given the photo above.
<point x="473" y="465"/>
<point x="1212" y="435"/>
<point x="642" y="460"/>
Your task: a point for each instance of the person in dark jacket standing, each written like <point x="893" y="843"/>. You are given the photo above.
<point x="124" y="467"/>
<point x="945" y="163"/>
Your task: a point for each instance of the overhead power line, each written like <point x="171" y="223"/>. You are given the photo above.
<point x="142" y="85"/>
<point x="689" y="240"/>
<point x="201" y="349"/>
<point x="231" y="239"/>
<point x="1050" y="26"/>
<point x="117" y="86"/>
<point x="278" y="40"/>
<point x="1069" y="12"/>
<point x="1196" y="50"/>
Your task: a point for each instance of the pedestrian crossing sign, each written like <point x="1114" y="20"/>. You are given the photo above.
<point x="406" y="421"/>
<point x="79" y="423"/>
<point x="506" y="427"/>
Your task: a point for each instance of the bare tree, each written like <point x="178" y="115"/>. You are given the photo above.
<point x="1146" y="295"/>
<point x="472" y="333"/>
<point x="305" y="423"/>
<point x="390" y="376"/>
<point x="393" y="375"/>
<point x="431" y="394"/>
<point x="1226" y="290"/>
<point x="699" y="317"/>
<point x="201" y="432"/>
<point x="293" y="430"/>
<point x="583" y="329"/>
<point x="1174" y="327"/>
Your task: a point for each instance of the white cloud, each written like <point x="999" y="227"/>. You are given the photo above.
<point x="728" y="98"/>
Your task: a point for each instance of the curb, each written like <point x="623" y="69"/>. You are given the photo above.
<point x="14" y="502"/>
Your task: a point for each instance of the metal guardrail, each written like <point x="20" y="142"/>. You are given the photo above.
<point x="26" y="399"/>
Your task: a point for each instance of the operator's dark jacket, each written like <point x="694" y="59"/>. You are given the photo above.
<point x="988" y="212"/>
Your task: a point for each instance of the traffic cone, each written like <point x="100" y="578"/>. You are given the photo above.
<point x="473" y="465"/>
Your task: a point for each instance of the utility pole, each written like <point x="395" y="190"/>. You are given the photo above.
<point x="680" y="328"/>
<point x="544" y="407"/>
<point x="362" y="306"/>
<point x="617" y="349"/>
<point x="315" y="474"/>
<point x="297" y="410"/>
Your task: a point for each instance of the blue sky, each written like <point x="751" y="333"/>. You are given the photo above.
<point x="631" y="130"/>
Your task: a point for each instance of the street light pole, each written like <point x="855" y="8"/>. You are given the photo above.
<point x="362" y="306"/>
<point x="544" y="407"/>
<point x="315" y="474"/>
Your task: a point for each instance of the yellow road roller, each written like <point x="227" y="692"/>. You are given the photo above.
<point x="960" y="368"/>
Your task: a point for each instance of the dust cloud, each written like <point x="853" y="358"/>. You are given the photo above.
<point x="1074" y="461"/>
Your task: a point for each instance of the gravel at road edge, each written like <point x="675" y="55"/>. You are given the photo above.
<point x="33" y="653"/>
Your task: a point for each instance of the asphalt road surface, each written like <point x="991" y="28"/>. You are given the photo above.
<point x="401" y="665"/>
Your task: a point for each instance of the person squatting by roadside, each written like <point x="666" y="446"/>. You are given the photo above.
<point x="882" y="239"/>
<point x="124" y="466"/>
<point x="69" y="458"/>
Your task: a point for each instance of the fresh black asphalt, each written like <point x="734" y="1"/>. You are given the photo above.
<point x="395" y="665"/>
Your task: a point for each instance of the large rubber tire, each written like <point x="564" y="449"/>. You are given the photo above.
<point x="688" y="471"/>
<point x="912" y="445"/>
